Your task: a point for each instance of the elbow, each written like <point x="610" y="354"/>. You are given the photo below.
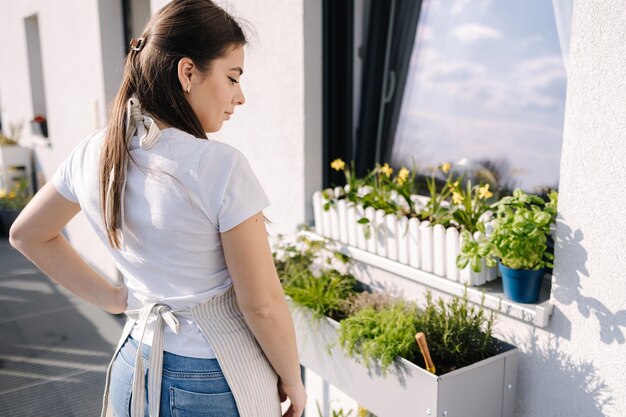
<point x="16" y="236"/>
<point x="261" y="312"/>
<point x="263" y="308"/>
<point x="20" y="236"/>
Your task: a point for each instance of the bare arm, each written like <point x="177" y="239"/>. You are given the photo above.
<point x="37" y="234"/>
<point x="262" y="302"/>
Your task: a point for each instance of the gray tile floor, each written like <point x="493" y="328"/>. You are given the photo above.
<point x="54" y="348"/>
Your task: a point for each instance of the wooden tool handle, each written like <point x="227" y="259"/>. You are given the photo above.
<point x="421" y="342"/>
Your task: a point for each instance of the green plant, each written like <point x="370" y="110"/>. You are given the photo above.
<point x="437" y="210"/>
<point x="335" y="413"/>
<point x="379" y="337"/>
<point x="471" y="202"/>
<point x="14" y="135"/>
<point x="293" y="260"/>
<point x="6" y="141"/>
<point x="17" y="197"/>
<point x="324" y="294"/>
<point x="520" y="235"/>
<point x="458" y="333"/>
<point x="376" y="300"/>
<point x="310" y="280"/>
<point x="378" y="189"/>
<point x="473" y="252"/>
<point x="376" y="328"/>
<point x="350" y="192"/>
<point x="384" y="190"/>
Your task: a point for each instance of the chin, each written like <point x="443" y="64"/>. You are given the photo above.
<point x="212" y="128"/>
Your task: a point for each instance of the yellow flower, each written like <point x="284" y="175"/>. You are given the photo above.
<point x="3" y="193"/>
<point x="403" y="174"/>
<point x="11" y="194"/>
<point x="337" y="164"/>
<point x="483" y="192"/>
<point x="387" y="170"/>
<point x="457" y="198"/>
<point x="445" y="167"/>
<point x="454" y="185"/>
<point x="362" y="411"/>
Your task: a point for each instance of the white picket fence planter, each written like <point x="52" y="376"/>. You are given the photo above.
<point x="483" y="389"/>
<point x="430" y="248"/>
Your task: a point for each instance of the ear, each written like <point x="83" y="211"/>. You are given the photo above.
<point x="186" y="69"/>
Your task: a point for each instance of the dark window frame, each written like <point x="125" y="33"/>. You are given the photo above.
<point x="337" y="76"/>
<point x="388" y="36"/>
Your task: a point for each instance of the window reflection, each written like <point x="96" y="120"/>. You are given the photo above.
<point x="486" y="86"/>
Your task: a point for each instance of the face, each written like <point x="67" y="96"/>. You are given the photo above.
<point x="214" y="96"/>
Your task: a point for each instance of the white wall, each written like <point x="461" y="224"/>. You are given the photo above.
<point x="589" y="288"/>
<point x="575" y="366"/>
<point x="74" y="77"/>
<point x="279" y="126"/>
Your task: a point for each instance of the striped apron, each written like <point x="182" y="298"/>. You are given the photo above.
<point x="249" y="374"/>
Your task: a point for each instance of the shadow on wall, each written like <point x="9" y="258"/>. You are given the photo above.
<point x="570" y="268"/>
<point x="575" y="387"/>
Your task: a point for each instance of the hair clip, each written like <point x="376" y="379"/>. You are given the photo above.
<point x="137" y="44"/>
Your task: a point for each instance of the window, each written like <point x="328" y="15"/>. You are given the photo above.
<point x="35" y="67"/>
<point x="136" y="14"/>
<point x="486" y="84"/>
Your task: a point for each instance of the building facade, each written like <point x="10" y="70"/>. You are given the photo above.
<point x="63" y="59"/>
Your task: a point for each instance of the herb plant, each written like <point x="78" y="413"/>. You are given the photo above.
<point x="458" y="333"/>
<point x="324" y="294"/>
<point x="520" y="235"/>
<point x="310" y="280"/>
<point x="376" y="328"/>
<point x="376" y="300"/>
<point x="377" y="338"/>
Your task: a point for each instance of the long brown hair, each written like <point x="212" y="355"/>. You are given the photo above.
<point x="197" y="29"/>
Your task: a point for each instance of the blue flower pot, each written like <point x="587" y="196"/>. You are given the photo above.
<point x="521" y="285"/>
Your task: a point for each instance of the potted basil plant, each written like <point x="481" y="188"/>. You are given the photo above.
<point x="518" y="243"/>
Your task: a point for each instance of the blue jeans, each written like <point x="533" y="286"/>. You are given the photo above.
<point x="191" y="387"/>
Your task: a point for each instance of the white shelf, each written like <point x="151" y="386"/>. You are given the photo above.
<point x="537" y="314"/>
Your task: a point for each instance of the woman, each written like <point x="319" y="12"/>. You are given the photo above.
<point x="182" y="216"/>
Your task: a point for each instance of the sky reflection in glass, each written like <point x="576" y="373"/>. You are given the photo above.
<point x="486" y="82"/>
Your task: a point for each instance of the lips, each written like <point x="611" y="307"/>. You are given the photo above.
<point x="228" y="114"/>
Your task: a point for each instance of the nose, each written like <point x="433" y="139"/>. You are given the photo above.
<point x="239" y="97"/>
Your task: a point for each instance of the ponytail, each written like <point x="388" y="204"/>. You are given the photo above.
<point x="114" y="157"/>
<point x="197" y="29"/>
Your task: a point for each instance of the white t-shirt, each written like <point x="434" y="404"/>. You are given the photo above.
<point x="180" y="196"/>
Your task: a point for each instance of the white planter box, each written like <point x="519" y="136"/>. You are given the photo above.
<point x="13" y="156"/>
<point x="484" y="389"/>
<point x="419" y="244"/>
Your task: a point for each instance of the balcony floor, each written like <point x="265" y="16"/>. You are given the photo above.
<point x="54" y="348"/>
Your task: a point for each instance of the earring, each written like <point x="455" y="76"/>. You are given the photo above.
<point x="188" y="88"/>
